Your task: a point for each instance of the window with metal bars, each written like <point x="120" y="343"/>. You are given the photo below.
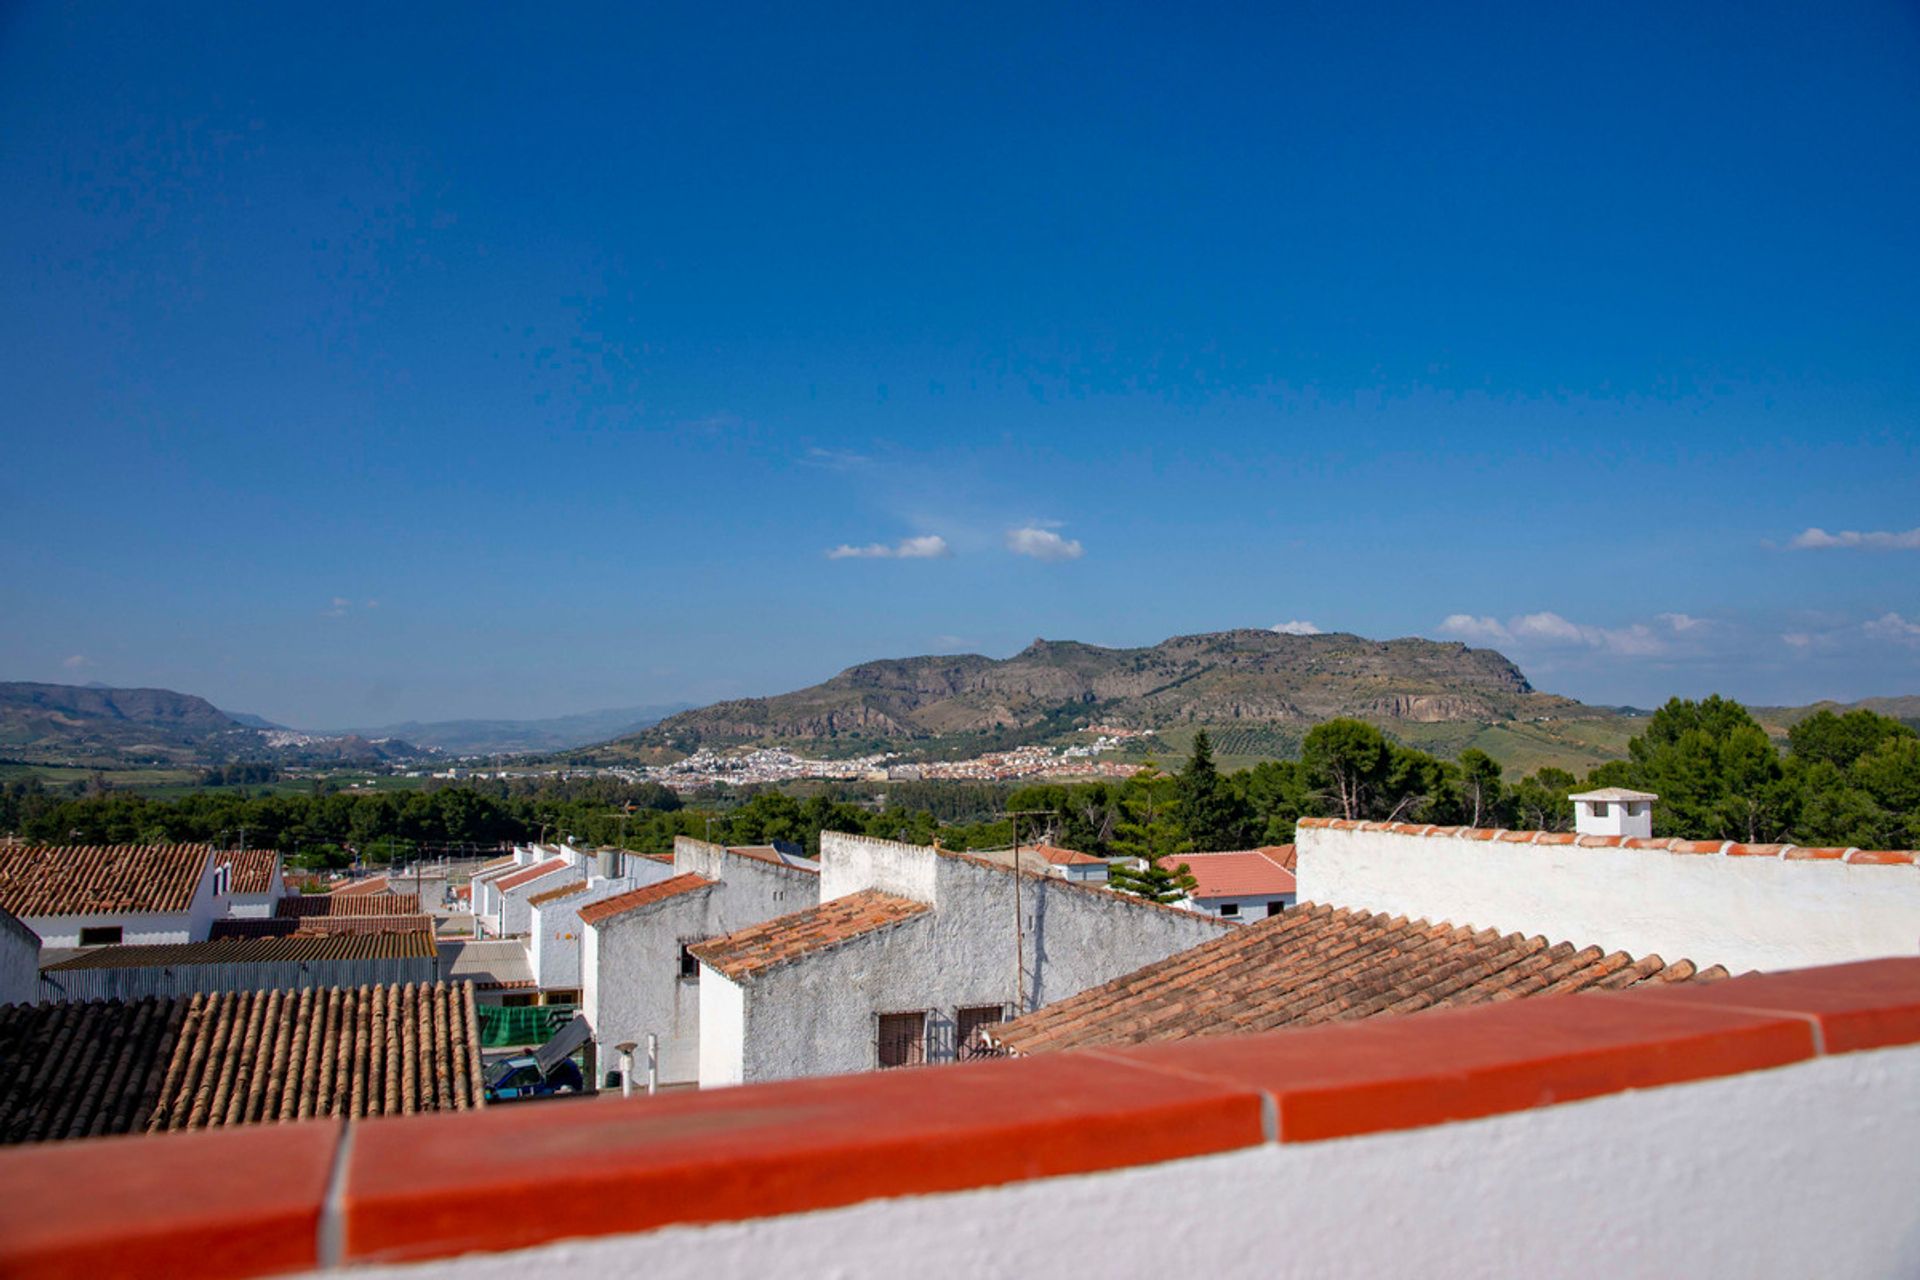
<point x="901" y="1039"/>
<point x="968" y="1023"/>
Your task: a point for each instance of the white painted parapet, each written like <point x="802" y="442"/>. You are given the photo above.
<point x="1709" y="901"/>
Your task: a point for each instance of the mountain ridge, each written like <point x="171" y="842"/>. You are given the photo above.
<point x="1243" y="677"/>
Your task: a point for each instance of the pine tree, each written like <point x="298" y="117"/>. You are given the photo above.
<point x="1212" y="814"/>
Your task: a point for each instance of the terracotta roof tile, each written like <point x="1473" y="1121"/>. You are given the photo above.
<point x="1248" y="873"/>
<point x="208" y="1061"/>
<point x="645" y="896"/>
<point x="415" y="944"/>
<point x="74" y="880"/>
<point x="300" y="906"/>
<point x="553" y="895"/>
<point x="1663" y="844"/>
<point x="252" y="869"/>
<point x="530" y="874"/>
<point x="372" y="885"/>
<point x="1059" y="857"/>
<point x="1321" y="964"/>
<point x="787" y="938"/>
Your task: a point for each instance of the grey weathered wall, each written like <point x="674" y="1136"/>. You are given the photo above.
<point x="19" y="962"/>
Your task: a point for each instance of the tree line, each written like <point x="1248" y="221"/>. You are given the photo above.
<point x="1844" y="779"/>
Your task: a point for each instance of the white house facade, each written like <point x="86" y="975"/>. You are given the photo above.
<point x="105" y="895"/>
<point x="910" y="951"/>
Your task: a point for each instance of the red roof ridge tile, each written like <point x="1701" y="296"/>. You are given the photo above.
<point x="1663" y="844"/>
<point x="783" y="939"/>
<point x="646" y="895"/>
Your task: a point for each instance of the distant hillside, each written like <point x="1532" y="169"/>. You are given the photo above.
<point x="1905" y="709"/>
<point x="90" y="724"/>
<point x="1266" y="686"/>
<point x="512" y="737"/>
<point x="97" y="727"/>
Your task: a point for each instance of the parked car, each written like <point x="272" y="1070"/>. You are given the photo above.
<point x="511" y="1079"/>
<point x="547" y="1071"/>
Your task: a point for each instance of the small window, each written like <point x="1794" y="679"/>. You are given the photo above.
<point x="689" y="967"/>
<point x="1275" y="907"/>
<point x="105" y="935"/>
<point x="903" y="1039"/>
<point x="1229" y="908"/>
<point x="1599" y="808"/>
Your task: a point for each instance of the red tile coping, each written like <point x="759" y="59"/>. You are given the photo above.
<point x="258" y="1201"/>
<point x="1724" y="848"/>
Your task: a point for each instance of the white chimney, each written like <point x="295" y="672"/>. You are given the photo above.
<point x="1613" y="811"/>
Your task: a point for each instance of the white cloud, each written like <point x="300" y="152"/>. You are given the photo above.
<point x="1798" y="640"/>
<point x="337" y="607"/>
<point x="1851" y="539"/>
<point x="1893" y="628"/>
<point x="1551" y="630"/>
<point x="836" y="459"/>
<point x="1043" y="544"/>
<point x="78" y="662"/>
<point x="1295" y="628"/>
<point x="1682" y="622"/>
<point x="930" y="546"/>
<point x="1468" y="627"/>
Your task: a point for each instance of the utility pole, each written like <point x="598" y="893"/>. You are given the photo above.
<point x="1019" y="918"/>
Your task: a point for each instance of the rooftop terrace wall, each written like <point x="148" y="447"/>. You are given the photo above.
<point x="1752" y="1127"/>
<point x="1715" y="902"/>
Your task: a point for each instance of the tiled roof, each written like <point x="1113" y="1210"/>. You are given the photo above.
<point x="206" y="1061"/>
<point x="1324" y="964"/>
<point x="359" y="888"/>
<point x="297" y="946"/>
<point x="564" y="891"/>
<point x="79" y="880"/>
<point x="531" y="874"/>
<point x="252" y="869"/>
<point x="1064" y="857"/>
<point x="303" y="926"/>
<point x="332" y="904"/>
<point x="498" y="864"/>
<point x="1726" y="848"/>
<point x="1613" y="793"/>
<point x="645" y="896"/>
<point x="1243" y="874"/>
<point x="767" y="853"/>
<point x="785" y="938"/>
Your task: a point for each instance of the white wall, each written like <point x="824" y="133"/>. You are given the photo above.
<point x="723" y="1019"/>
<point x="516" y="909"/>
<point x="636" y="988"/>
<point x="1786" y="1173"/>
<point x="849" y="864"/>
<point x="1741" y="912"/>
<point x="816" y="1015"/>
<point x="1252" y="907"/>
<point x="191" y="925"/>
<point x="554" y="933"/>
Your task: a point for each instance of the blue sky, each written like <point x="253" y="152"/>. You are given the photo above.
<point x="364" y="363"/>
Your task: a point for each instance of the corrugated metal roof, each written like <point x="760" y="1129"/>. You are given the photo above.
<point x="333" y="946"/>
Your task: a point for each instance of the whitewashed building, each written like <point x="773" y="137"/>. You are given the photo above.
<point x="514" y="916"/>
<point x="910" y="952"/>
<point x="637" y="976"/>
<point x="257" y="883"/>
<point x="1052" y="860"/>
<point x="1242" y="885"/>
<point x="556" y="935"/>
<point x="1613" y="811"/>
<point x="104" y="895"/>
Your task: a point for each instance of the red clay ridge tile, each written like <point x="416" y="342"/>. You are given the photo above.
<point x="615" y="1166"/>
<point x="1600" y="842"/>
<point x="1696" y="846"/>
<point x="1881" y="857"/>
<point x="1517" y="837"/>
<point x="1756" y="850"/>
<point x="1799" y="854"/>
<point x="1555" y="837"/>
<point x="1479" y="833"/>
<point x="222" y="1203"/>
<point x="1868" y="1004"/>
